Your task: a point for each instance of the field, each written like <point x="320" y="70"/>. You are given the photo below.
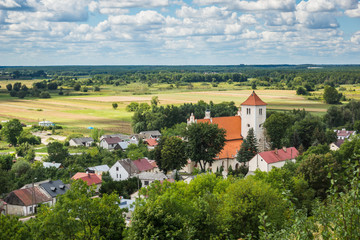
<point x="78" y="111"/>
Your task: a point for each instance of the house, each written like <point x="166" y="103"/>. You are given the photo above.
<point x="52" y="164"/>
<point x="46" y="124"/>
<point x="151" y="143"/>
<point x="336" y="145"/>
<point x="147" y="178"/>
<point x="143" y="165"/>
<point x="150" y="134"/>
<point x="343" y="134"/>
<point x="123" y="169"/>
<point x="54" y="189"/>
<point x="24" y="202"/>
<point x="251" y="115"/>
<point x="99" y="170"/>
<point x="135" y="139"/>
<point x="155" y="166"/>
<point x="265" y="161"/>
<point x="80" y="142"/>
<point x="123" y="137"/>
<point x="90" y="179"/>
<point x="122" y="146"/>
<point x="109" y="143"/>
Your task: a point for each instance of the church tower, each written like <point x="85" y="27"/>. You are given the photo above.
<point x="253" y="115"/>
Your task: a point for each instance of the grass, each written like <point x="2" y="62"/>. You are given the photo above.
<point x="78" y="111"/>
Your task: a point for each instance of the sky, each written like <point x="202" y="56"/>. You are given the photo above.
<point x="179" y="32"/>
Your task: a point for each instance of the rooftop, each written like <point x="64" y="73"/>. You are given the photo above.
<point x="254" y="100"/>
<point x="89" y="178"/>
<point x="143" y="164"/>
<point x="279" y="155"/>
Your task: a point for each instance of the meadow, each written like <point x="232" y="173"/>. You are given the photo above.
<point x="78" y="111"/>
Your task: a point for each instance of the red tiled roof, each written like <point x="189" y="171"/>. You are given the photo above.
<point x="230" y="149"/>
<point x="151" y="142"/>
<point x="344" y="133"/>
<point x="232" y="125"/>
<point x="254" y="100"/>
<point x="272" y="157"/>
<point x="153" y="163"/>
<point x="89" y="178"/>
<point x="28" y="196"/>
<point x="143" y="164"/>
<point x="112" y="140"/>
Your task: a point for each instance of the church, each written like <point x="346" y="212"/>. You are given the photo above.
<point x="251" y="115"/>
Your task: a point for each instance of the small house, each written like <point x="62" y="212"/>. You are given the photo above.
<point x="110" y="143"/>
<point x="52" y="164"/>
<point x="147" y="178"/>
<point x="150" y="134"/>
<point x="99" y="170"/>
<point x="54" y="189"/>
<point x="151" y="143"/>
<point x="46" y="124"/>
<point x="265" y="161"/>
<point x="81" y="142"/>
<point x="123" y="169"/>
<point x="24" y="202"/>
<point x="123" y="137"/>
<point x="89" y="178"/>
<point x="143" y="165"/>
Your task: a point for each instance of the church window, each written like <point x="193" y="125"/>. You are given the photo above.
<point x="248" y="125"/>
<point x="248" y="111"/>
<point x="260" y="111"/>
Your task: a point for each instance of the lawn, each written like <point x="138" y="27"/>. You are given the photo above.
<point x="78" y="111"/>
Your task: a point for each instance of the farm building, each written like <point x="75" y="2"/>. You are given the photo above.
<point x="79" y="142"/>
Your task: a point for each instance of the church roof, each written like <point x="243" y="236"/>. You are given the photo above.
<point x="254" y="100"/>
<point x="232" y="125"/>
<point x="230" y="149"/>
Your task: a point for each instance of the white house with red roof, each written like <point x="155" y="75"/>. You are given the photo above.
<point x="344" y="134"/>
<point x="265" y="161"/>
<point x="252" y="115"/>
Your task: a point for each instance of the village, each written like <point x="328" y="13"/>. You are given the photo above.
<point x="250" y="119"/>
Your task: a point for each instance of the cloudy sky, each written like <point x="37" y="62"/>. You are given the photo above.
<point x="180" y="32"/>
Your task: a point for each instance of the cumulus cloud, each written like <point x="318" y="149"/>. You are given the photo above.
<point x="114" y="7"/>
<point x="259" y="5"/>
<point x="326" y="5"/>
<point x="142" y="18"/>
<point x="205" y="13"/>
<point x="354" y="13"/>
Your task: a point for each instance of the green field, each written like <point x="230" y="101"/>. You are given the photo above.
<point x="78" y="111"/>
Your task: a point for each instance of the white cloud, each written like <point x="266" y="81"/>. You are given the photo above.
<point x="142" y="18"/>
<point x="326" y="5"/>
<point x="355" y="38"/>
<point x="9" y="4"/>
<point x="208" y="12"/>
<point x="259" y="5"/>
<point x="354" y="13"/>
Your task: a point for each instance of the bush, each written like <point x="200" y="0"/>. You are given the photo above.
<point x="44" y="95"/>
<point x="84" y="89"/>
<point x="77" y="87"/>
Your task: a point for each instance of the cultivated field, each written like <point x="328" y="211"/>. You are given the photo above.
<point x="78" y="111"/>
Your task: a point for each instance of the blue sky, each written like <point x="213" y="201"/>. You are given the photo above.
<point x="179" y="32"/>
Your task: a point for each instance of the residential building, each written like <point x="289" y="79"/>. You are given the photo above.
<point x="52" y="164"/>
<point x="123" y="169"/>
<point x="344" y="134"/>
<point x="143" y="165"/>
<point x="150" y="134"/>
<point x="151" y="143"/>
<point x="109" y="143"/>
<point x="123" y="137"/>
<point x="336" y="145"/>
<point x="90" y="179"/>
<point x="99" y="170"/>
<point x="54" y="189"/>
<point x="46" y="124"/>
<point x="24" y="202"/>
<point x="81" y="142"/>
<point x="265" y="161"/>
<point x="147" y="178"/>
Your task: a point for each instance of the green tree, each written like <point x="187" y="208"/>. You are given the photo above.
<point x="331" y="95"/>
<point x="170" y="154"/>
<point x="20" y="167"/>
<point x="276" y="126"/>
<point x="155" y="101"/>
<point x="301" y="91"/>
<point x="9" y="87"/>
<point x="248" y="148"/>
<point x="77" y="87"/>
<point x="11" y="131"/>
<point x="78" y="216"/>
<point x="57" y="152"/>
<point x="204" y="142"/>
<point x="12" y="228"/>
<point x="114" y="105"/>
<point x="132" y="107"/>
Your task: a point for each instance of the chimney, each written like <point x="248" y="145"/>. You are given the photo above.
<point x="276" y="151"/>
<point x="238" y="112"/>
<point x="207" y="114"/>
<point x="284" y="149"/>
<point x="192" y="119"/>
